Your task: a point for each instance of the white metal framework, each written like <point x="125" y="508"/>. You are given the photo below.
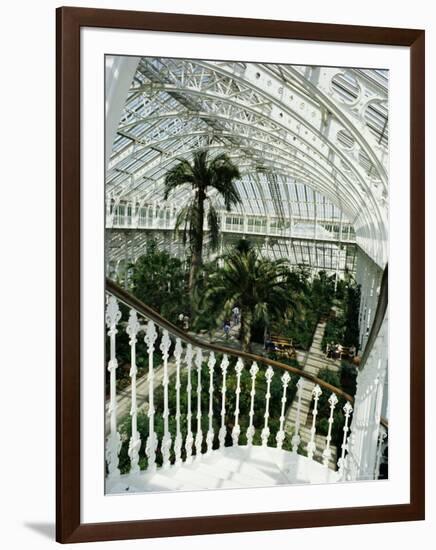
<point x="310" y="142"/>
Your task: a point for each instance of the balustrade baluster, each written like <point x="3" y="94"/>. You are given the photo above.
<point x="113" y="443"/>
<point x="296" y="437"/>
<point x="222" y="432"/>
<point x="280" y="437"/>
<point x="199" y="435"/>
<point x="166" y="440"/>
<point x="250" y="430"/>
<point x="151" y="444"/>
<point x="210" y="434"/>
<point x="265" y="432"/>
<point x="133" y="327"/>
<point x="178" y="440"/>
<point x="311" y="446"/>
<point x="236" y="428"/>
<point x="189" y="437"/>
<point x="333" y="400"/>
<point x="348" y="409"/>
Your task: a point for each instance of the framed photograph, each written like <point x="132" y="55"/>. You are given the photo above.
<point x="232" y="354"/>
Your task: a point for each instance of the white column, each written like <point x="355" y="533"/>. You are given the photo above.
<point x="120" y="71"/>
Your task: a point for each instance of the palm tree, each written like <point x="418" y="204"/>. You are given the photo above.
<point x="257" y="285"/>
<point x="203" y="175"/>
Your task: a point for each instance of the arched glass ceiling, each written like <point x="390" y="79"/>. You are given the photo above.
<point x="300" y="135"/>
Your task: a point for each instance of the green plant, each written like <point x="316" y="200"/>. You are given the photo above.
<point x="203" y="175"/>
<point x="158" y="279"/>
<point x="257" y="285"/>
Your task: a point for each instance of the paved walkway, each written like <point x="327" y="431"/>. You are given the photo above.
<point x="315" y="361"/>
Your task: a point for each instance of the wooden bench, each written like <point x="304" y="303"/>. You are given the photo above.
<point x="345" y="353"/>
<point x="283" y="346"/>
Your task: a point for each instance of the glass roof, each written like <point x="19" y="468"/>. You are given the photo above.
<point x="310" y="142"/>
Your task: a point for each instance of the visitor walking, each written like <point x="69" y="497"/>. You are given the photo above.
<point x="226" y="328"/>
<point x="235" y="315"/>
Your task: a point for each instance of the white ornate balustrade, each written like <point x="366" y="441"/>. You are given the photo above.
<point x="203" y="433"/>
<point x="153" y="217"/>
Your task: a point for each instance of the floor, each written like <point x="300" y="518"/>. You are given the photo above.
<point x="229" y="468"/>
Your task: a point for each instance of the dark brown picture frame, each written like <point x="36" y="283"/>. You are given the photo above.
<point x="69" y="22"/>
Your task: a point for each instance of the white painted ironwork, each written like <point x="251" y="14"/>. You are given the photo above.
<point x="189" y="442"/>
<point x="311" y="446"/>
<point x="236" y="428"/>
<point x="222" y="431"/>
<point x="326" y="455"/>
<point x="178" y="441"/>
<point x="151" y="444"/>
<point x="251" y="430"/>
<point x="132" y="330"/>
<point x="354" y="462"/>
<point x="348" y="409"/>
<point x="296" y="439"/>
<point x="166" y="440"/>
<point x="199" y="435"/>
<point x="280" y="436"/>
<point x="265" y="431"/>
<point x="113" y="443"/>
<point x="210" y="433"/>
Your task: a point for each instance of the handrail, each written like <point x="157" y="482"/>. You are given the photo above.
<point x="131" y="301"/>
<point x="382" y="305"/>
<point x="380" y="312"/>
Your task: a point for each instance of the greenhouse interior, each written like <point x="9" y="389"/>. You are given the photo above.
<point x="246" y="254"/>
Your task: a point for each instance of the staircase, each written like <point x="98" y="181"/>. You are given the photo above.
<point x="228" y="468"/>
<point x="192" y="454"/>
<point x="316" y="360"/>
